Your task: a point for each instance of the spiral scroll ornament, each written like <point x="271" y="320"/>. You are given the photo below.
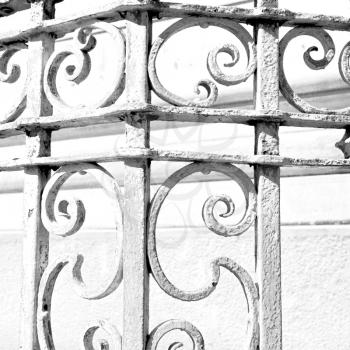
<point x="112" y="339"/>
<point x="240" y="273"/>
<point x="344" y="64"/>
<point x="168" y="326"/>
<point x="65" y="217"/>
<point x="83" y="42"/>
<point x="329" y="51"/>
<point x="10" y="73"/>
<point x="215" y="71"/>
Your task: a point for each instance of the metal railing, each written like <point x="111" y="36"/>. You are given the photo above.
<point x="40" y="109"/>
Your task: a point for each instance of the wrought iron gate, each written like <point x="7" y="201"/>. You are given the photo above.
<point x="40" y="109"/>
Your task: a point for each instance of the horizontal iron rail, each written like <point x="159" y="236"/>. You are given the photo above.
<point x="171" y="155"/>
<point x="14" y="183"/>
<point x="70" y="119"/>
<point x="340" y="222"/>
<point x="118" y="113"/>
<point x="10" y="31"/>
<point x="241" y="116"/>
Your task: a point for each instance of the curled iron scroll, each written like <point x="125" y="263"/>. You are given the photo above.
<point x="240" y="273"/>
<point x="344" y="63"/>
<point x="10" y="73"/>
<point x="248" y="286"/>
<point x="46" y="288"/>
<point x="216" y="73"/>
<point x="113" y="341"/>
<point x="65" y="217"/>
<point x="83" y="42"/>
<point x="329" y="51"/>
<point x="168" y="326"/>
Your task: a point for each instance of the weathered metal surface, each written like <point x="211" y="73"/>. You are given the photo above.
<point x="118" y="113"/>
<point x="247" y="284"/>
<point x="47" y="286"/>
<point x="135" y="217"/>
<point x="176" y="156"/>
<point x="213" y="115"/>
<point x="329" y="51"/>
<point x="211" y="89"/>
<point x="268" y="245"/>
<point x="114" y="341"/>
<point x="83" y="42"/>
<point x="38" y="144"/>
<point x="36" y="242"/>
<point x="104" y="110"/>
<point x="211" y="222"/>
<point x="137" y="187"/>
<point x="9" y="32"/>
<point x="64" y="218"/>
<point x="10" y="73"/>
<point x="168" y="326"/>
<point x="267" y="182"/>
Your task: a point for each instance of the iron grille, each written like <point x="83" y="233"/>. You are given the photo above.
<point x="40" y="109"/>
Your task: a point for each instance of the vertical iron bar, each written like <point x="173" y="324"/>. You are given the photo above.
<point x="38" y="144"/>
<point x="267" y="180"/>
<point x="137" y="187"/>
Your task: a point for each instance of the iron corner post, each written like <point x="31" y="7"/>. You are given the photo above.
<point x="136" y="186"/>
<point x="38" y="144"/>
<point x="267" y="181"/>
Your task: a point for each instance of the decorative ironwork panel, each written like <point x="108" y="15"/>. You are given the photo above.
<point x="41" y="107"/>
